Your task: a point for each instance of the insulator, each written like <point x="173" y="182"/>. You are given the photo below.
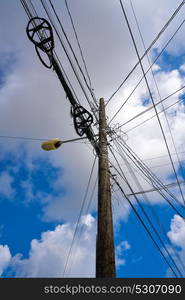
<point x="40" y="32"/>
<point x="82" y="119"/>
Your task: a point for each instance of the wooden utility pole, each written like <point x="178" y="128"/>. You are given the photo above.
<point x="105" y="256"/>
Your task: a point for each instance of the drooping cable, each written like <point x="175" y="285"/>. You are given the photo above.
<point x="156" y="104"/>
<point x="156" y="182"/>
<point x="45" y="6"/>
<point x="82" y="228"/>
<point x="150" y="118"/>
<point x="81" y="51"/>
<point x="161" y="226"/>
<point x="151" y="96"/>
<point x="71" y="48"/>
<point x="160" y="53"/>
<point x="150" y="46"/>
<point x="140" y="218"/>
<point x="159" y="94"/>
<point x="30" y="16"/>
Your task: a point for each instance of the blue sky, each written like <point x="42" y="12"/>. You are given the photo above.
<point x="41" y="193"/>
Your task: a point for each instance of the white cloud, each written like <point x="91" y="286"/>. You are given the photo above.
<point x="123" y="246"/>
<point x="177" y="237"/>
<point x="35" y="105"/>
<point x="47" y="256"/>
<point x="177" y="231"/>
<point x="5" y="257"/>
<point x="120" y="253"/>
<point x="27" y="186"/>
<point x="87" y="220"/>
<point x="182" y="68"/>
<point x="156" y="68"/>
<point x="6" y="188"/>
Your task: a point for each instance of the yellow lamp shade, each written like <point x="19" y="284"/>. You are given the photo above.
<point x="51" y="144"/>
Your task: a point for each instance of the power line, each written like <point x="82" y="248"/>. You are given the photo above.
<point x="129" y="167"/>
<point x="156" y="157"/>
<point x="71" y="48"/>
<point x="156" y="104"/>
<point x="150" y="118"/>
<point x="157" y="88"/>
<point x="156" y="182"/>
<point x="153" y="190"/>
<point x="68" y="56"/>
<point x="79" y="217"/>
<point x="22" y="138"/>
<point x="136" y="171"/>
<point x="141" y="220"/>
<point x="147" y="71"/>
<point x="81" y="51"/>
<point x="151" y="96"/>
<point x="148" y="49"/>
<point x="83" y="226"/>
<point x="30" y="16"/>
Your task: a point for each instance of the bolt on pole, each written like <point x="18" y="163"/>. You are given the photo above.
<point x="105" y="255"/>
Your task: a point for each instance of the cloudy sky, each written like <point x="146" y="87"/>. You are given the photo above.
<point x="41" y="193"/>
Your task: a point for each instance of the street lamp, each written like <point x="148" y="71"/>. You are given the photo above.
<point x="56" y="143"/>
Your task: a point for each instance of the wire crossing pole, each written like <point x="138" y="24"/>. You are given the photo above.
<point x="105" y="256"/>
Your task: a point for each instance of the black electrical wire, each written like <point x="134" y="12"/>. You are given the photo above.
<point x="152" y="177"/>
<point x="150" y="118"/>
<point x="66" y="77"/>
<point x="146" y="216"/>
<point x="71" y="48"/>
<point x="67" y="54"/>
<point x="144" y="225"/>
<point x="156" y="104"/>
<point x="79" y="217"/>
<point x="25" y="6"/>
<point x="156" y="182"/>
<point x="141" y="220"/>
<point x="156" y="157"/>
<point x="160" y="53"/>
<point x="81" y="51"/>
<point x="141" y="191"/>
<point x="148" y="49"/>
<point x="152" y="210"/>
<point x="83" y="226"/>
<point x="23" y="138"/>
<point x="144" y="175"/>
<point x="89" y="132"/>
<point x="30" y="16"/>
<point x="151" y="96"/>
<point x="33" y="7"/>
<point x="166" y="117"/>
<point x="153" y="190"/>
